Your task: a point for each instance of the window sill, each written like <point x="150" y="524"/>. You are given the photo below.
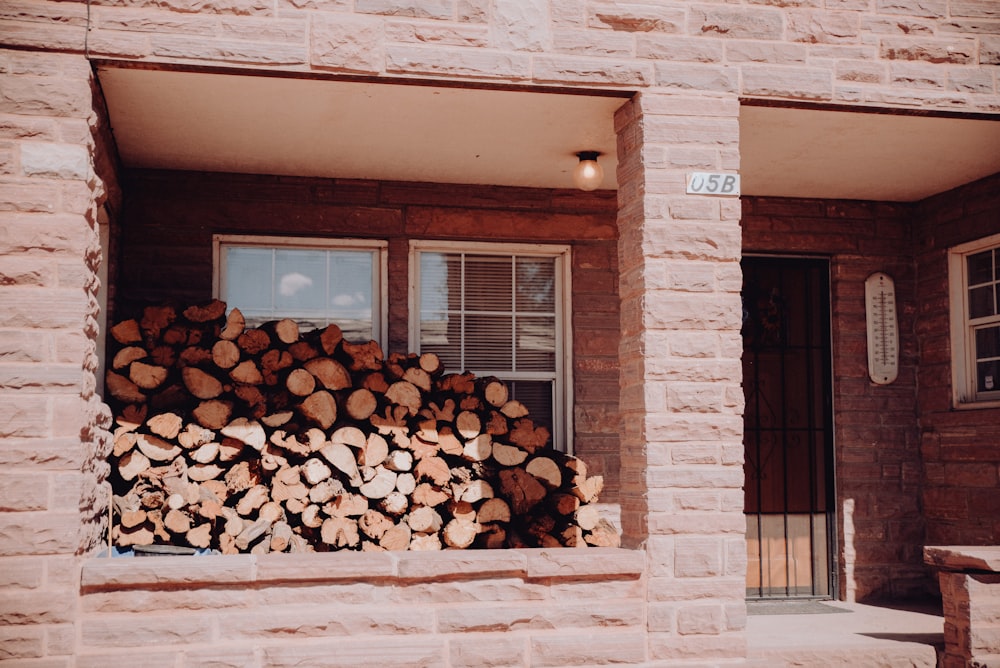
<point x="247" y="569"/>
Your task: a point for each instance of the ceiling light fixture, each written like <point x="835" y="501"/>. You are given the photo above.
<point x="588" y="175"/>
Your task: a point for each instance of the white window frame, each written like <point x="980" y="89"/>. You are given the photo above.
<point x="963" y="363"/>
<point x="376" y="246"/>
<point x="562" y="400"/>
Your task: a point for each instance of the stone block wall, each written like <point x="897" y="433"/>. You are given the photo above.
<point x="935" y="54"/>
<point x="878" y="466"/>
<point x="961" y="475"/>
<point x="53" y="443"/>
<point x="457" y="608"/>
<point x="972" y="619"/>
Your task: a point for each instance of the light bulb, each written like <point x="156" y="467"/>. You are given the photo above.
<point x="588" y="175"/>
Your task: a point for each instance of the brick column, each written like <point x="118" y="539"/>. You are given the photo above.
<point x="680" y="351"/>
<point x="53" y="495"/>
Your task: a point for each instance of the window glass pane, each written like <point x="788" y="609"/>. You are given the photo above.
<point x="488" y="283"/>
<point x="536" y="397"/>
<point x="313" y="286"/>
<point x="987" y="342"/>
<point x="442" y="334"/>
<point x="536" y="284"/>
<point x="248" y="278"/>
<point x="435" y="272"/>
<point x="299" y="280"/>
<point x="981" y="302"/>
<point x="988" y="376"/>
<point x="536" y="343"/>
<point x="488" y="342"/>
<point x="980" y="267"/>
<point x="350" y="300"/>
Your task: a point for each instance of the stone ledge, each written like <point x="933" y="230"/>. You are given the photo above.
<point x="187" y="572"/>
<point x="963" y="558"/>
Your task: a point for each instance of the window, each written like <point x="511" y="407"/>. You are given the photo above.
<point x="498" y="310"/>
<point x="315" y="282"/>
<point x="974" y="273"/>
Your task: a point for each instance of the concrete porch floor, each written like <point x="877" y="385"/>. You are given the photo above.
<point x="858" y="635"/>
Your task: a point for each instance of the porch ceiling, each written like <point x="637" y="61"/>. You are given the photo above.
<point x="211" y="121"/>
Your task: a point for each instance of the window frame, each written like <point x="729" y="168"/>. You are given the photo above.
<point x="963" y="349"/>
<point x="378" y="247"/>
<point x="562" y="400"/>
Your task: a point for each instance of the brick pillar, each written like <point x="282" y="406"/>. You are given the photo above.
<point x="971" y="618"/>
<point x="682" y="403"/>
<point x="53" y="494"/>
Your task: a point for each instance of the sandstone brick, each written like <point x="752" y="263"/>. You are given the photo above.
<point x="23" y="492"/>
<point x="921" y="8"/>
<point x="40" y="377"/>
<point x="635" y="17"/>
<point x="31" y="34"/>
<point x="989" y="50"/>
<point x="861" y="71"/>
<point x="148" y="20"/>
<point x="697" y="77"/>
<point x="592" y="43"/>
<point x="567" y="649"/>
<point x="21" y="573"/>
<point x="326" y="620"/>
<point x="105" y="573"/>
<point x="751" y="23"/>
<point x="432" y="565"/>
<point x="520" y="25"/>
<point x="915" y="75"/>
<point x="433" y="9"/>
<point x="228" y="51"/>
<point x="882" y="25"/>
<point x="343" y="653"/>
<point x="592" y="561"/>
<point x="700" y="620"/>
<point x="358" y="592"/>
<point x="795" y="83"/>
<point x="697" y="647"/>
<point x="433" y="33"/>
<point x="407" y="59"/>
<point x="45" y="96"/>
<point x="53" y="454"/>
<point x="606" y="71"/>
<point x="488" y="651"/>
<point x="497" y="588"/>
<point x="536" y="616"/>
<point x="21" y="642"/>
<point x="823" y="26"/>
<point x="150" y="658"/>
<point x="36" y="607"/>
<point x="971" y="81"/>
<point x="773" y="53"/>
<point x="974" y="8"/>
<point x="38" y="533"/>
<point x="957" y="51"/>
<point x="108" y="631"/>
<point x="346" y="566"/>
<point x="351" y="45"/>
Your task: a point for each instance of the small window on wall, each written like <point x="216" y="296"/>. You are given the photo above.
<point x="315" y="282"/>
<point x="974" y="271"/>
<point x="498" y="310"/>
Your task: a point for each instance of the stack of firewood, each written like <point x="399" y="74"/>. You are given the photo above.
<point x="268" y="439"/>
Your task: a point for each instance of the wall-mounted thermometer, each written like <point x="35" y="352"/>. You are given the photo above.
<point x="883" y="329"/>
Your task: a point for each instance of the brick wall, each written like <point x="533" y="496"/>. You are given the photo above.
<point x="169" y="220"/>
<point x="876" y="444"/>
<point x="961" y="487"/>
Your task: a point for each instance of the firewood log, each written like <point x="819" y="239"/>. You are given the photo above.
<point x="340" y="532"/>
<point x="253" y="341"/>
<point x="406" y="394"/>
<point x="225" y="354"/>
<point x="320" y="408"/>
<point x="330" y="373"/>
<point x="360" y="404"/>
<point x="460" y="533"/>
<point x="126" y="332"/>
<point x="396" y="538"/>
<point x="147" y="376"/>
<point x="300" y="382"/>
<point x="424" y="520"/>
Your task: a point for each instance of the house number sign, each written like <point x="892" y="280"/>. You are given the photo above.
<point x="883" y="329"/>
<point x="712" y="183"/>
